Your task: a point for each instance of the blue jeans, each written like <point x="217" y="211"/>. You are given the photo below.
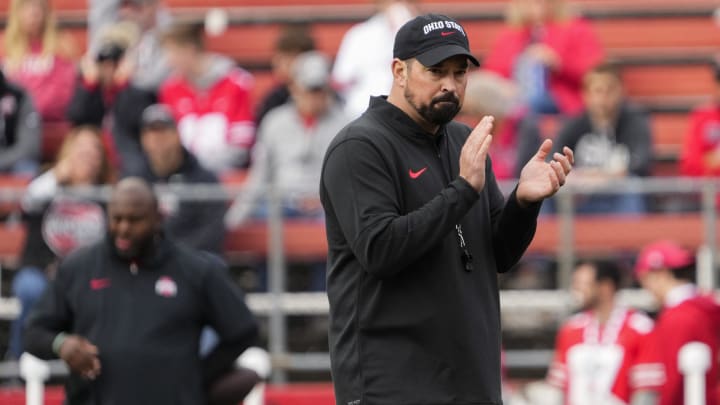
<point x="28" y="285"/>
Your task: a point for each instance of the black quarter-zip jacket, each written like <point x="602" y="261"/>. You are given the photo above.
<point x="145" y="317"/>
<point x="409" y="325"/>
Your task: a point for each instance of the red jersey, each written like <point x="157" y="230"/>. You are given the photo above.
<point x="592" y="363"/>
<point x="688" y="318"/>
<point x="703" y="137"/>
<point x="215" y="123"/>
<point x="576" y="45"/>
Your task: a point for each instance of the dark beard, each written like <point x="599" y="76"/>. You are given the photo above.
<point x="436" y="113"/>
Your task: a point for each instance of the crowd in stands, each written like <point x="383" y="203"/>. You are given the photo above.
<point x="148" y="99"/>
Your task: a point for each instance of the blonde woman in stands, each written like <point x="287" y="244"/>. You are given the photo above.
<point x="38" y="57"/>
<point x="547" y="49"/>
<point x="58" y="220"/>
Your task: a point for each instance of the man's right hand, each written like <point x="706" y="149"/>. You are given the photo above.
<point x="474" y="154"/>
<point x="81" y="356"/>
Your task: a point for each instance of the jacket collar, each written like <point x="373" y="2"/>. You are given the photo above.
<point x="401" y="123"/>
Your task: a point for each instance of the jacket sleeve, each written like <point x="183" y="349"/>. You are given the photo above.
<point x="557" y="372"/>
<point x="86" y="105"/>
<point x="50" y="316"/>
<point x="27" y="135"/>
<point x="129" y="105"/>
<point x="691" y="158"/>
<point x="225" y="311"/>
<point x="513" y="226"/>
<point x="569" y="134"/>
<point x="358" y="187"/>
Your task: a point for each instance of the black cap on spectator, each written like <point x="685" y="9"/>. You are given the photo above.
<point x="157" y="116"/>
<point x="432" y="38"/>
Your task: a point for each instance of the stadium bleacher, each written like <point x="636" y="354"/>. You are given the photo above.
<point x="664" y="48"/>
<point x="659" y="44"/>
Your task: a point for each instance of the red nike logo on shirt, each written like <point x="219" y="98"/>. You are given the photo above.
<point x="415" y="175"/>
<point x="99" y="283"/>
<point x="446" y="33"/>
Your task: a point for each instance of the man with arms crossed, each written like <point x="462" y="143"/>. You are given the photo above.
<point x="418" y="230"/>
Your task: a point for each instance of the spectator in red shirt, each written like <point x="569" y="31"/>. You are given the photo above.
<point x="701" y="149"/>
<point x="547" y="50"/>
<point x="210" y="98"/>
<point x="37" y="57"/>
<point x="667" y="270"/>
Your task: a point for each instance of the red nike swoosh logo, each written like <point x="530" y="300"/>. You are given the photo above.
<point x="99" y="283"/>
<point x="415" y="175"/>
<point x="446" y="33"/>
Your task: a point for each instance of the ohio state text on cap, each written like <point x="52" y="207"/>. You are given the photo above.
<point x="432" y="38"/>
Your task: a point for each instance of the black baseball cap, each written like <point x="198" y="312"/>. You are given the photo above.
<point x="157" y="116"/>
<point x="432" y="38"/>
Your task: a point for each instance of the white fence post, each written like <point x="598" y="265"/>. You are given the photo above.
<point x="35" y="372"/>
<point x="694" y="362"/>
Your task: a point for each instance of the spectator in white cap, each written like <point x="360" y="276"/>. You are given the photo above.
<point x="291" y="144"/>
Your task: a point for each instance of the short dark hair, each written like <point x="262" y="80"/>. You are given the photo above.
<point x="604" y="68"/>
<point x="295" y="38"/>
<point x="605" y="270"/>
<point x="184" y="33"/>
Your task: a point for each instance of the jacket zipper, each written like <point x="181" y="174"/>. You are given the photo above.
<point x="465" y="255"/>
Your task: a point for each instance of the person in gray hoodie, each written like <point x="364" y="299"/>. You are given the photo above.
<point x="292" y="141"/>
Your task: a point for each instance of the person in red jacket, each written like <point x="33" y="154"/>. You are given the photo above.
<point x="210" y="98"/>
<point x="701" y="149"/>
<point x="547" y="50"/>
<point x="39" y="57"/>
<point x="666" y="270"/>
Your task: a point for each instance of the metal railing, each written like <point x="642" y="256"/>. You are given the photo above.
<point x="277" y="304"/>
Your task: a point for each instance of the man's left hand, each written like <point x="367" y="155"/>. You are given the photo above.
<point x="540" y="179"/>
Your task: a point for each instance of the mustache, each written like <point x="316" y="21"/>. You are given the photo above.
<point x="447" y="97"/>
